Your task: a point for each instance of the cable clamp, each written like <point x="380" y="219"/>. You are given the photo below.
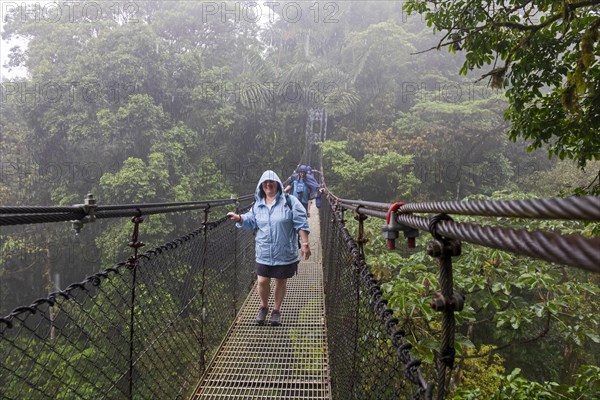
<point x="89" y="209"/>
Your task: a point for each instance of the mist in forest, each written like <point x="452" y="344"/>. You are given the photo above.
<point x="163" y="101"/>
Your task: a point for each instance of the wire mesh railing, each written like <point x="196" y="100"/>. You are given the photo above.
<point x="568" y="249"/>
<point x="370" y="357"/>
<point x="141" y="329"/>
<point x="147" y="327"/>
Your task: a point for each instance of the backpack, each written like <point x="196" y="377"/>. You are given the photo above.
<point x="288" y="202"/>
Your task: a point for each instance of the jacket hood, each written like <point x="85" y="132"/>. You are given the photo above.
<point x="268" y="175"/>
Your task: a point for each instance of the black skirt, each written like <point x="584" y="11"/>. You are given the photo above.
<point x="277" y="271"/>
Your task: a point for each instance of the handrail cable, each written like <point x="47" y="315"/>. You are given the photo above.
<point x="578" y="208"/>
<point x="573" y="250"/>
<point x="78" y="208"/>
<point x="32" y="215"/>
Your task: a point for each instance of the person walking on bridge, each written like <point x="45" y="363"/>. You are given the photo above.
<point x="299" y="189"/>
<point x="278" y="219"/>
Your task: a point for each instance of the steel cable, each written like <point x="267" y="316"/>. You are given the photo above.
<point x="576" y="208"/>
<point x="39" y="210"/>
<point x="35" y="215"/>
<point x="38" y="218"/>
<point x="573" y="250"/>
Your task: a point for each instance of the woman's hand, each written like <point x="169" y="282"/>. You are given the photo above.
<point x="234" y="217"/>
<point x="305" y="250"/>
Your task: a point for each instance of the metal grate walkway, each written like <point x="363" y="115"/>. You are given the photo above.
<point x="276" y="362"/>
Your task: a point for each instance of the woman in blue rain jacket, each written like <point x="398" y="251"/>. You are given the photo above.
<point x="277" y="219"/>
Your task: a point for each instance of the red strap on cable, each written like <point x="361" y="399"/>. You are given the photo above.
<point x="391" y="243"/>
<point x="392" y="208"/>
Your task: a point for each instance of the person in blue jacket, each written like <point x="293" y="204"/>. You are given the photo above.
<point x="300" y="189"/>
<point x="277" y="219"/>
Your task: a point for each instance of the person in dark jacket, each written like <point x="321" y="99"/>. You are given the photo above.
<point x="277" y="219"/>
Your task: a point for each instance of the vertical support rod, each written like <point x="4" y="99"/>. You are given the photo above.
<point x="236" y="269"/>
<point x="447" y="351"/>
<point x="132" y="265"/>
<point x="361" y="240"/>
<point x="446" y="301"/>
<point x="202" y="290"/>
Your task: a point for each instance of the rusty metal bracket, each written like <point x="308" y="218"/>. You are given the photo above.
<point x="391" y="233"/>
<point x="361" y="239"/>
<point x="441" y="303"/>
<point x="134" y="242"/>
<point x="206" y="212"/>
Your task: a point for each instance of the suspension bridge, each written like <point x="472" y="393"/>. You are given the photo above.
<point x="177" y="321"/>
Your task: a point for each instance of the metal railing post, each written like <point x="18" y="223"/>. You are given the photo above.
<point x="135" y="244"/>
<point x="446" y="300"/>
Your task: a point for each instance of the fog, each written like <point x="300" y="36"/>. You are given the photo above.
<point x="164" y="101"/>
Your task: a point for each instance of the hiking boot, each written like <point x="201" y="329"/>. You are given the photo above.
<point x="275" y="318"/>
<point x="262" y="315"/>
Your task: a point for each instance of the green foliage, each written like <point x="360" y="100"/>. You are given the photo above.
<point x="565" y="178"/>
<point x="587" y="383"/>
<point x="514" y="386"/>
<point x="134" y="127"/>
<point x="459" y="147"/>
<point x="59" y="364"/>
<point x="479" y="374"/>
<point x="208" y="181"/>
<point x="546" y="56"/>
<point x="10" y="245"/>
<point x="509" y="387"/>
<point x="136" y="182"/>
<point x="375" y="176"/>
<point x="378" y="60"/>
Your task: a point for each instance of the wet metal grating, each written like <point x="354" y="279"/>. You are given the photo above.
<point x="276" y="362"/>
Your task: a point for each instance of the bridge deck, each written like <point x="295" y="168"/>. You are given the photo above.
<point x="276" y="362"/>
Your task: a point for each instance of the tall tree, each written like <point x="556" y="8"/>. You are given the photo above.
<point x="545" y="53"/>
<point x="459" y="147"/>
<point x="379" y="62"/>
